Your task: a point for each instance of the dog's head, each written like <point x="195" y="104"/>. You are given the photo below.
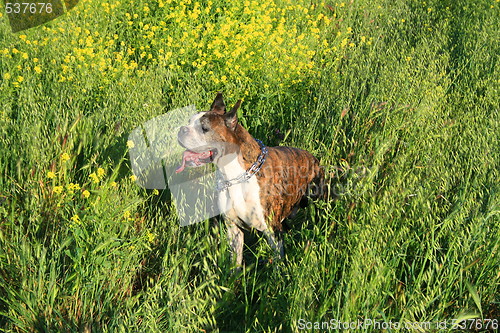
<point x="209" y="135"/>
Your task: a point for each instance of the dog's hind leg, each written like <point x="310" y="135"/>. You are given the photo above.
<point x="275" y="241"/>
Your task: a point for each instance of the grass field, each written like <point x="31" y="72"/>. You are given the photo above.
<point x="399" y="100"/>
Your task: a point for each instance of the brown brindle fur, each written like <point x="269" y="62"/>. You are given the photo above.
<point x="283" y="186"/>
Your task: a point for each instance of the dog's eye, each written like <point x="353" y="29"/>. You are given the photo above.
<point x="204" y="128"/>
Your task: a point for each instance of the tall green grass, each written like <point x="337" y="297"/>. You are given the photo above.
<point x="404" y="117"/>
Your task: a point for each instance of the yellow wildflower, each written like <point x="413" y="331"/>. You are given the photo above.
<point x="73" y="187"/>
<point x="151" y="237"/>
<point x="100" y="172"/>
<point x="94" y="177"/>
<point x="65" y="157"/>
<point x="58" y="189"/>
<point x="86" y="194"/>
<point x="51" y="175"/>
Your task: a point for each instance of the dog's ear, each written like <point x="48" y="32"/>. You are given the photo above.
<point x="231" y="118"/>
<point x="218" y="106"/>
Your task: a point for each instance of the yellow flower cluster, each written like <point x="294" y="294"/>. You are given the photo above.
<point x="70" y="188"/>
<point x="75" y="221"/>
<point x="249" y="43"/>
<point x="96" y="178"/>
<point x="127" y="215"/>
<point x="66" y="194"/>
<point x="245" y="40"/>
<point x="65" y="157"/>
<point x="58" y="189"/>
<point x="151" y="237"/>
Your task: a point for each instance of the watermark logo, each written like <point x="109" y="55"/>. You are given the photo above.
<point x="470" y="324"/>
<point x="25" y="14"/>
<point x="155" y="156"/>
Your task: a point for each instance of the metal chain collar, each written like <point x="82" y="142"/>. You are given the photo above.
<point x="222" y="184"/>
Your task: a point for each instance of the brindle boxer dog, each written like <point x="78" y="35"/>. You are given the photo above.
<point x="258" y="186"/>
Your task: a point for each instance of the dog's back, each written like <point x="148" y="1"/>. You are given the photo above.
<point x="290" y="177"/>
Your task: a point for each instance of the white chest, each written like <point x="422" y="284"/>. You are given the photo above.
<point x="242" y="201"/>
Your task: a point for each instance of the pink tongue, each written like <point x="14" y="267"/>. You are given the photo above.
<point x="191" y="156"/>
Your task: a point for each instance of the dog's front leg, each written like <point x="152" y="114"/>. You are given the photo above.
<point x="235" y="237"/>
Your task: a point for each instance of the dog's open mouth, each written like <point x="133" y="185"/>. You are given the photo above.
<point x="193" y="159"/>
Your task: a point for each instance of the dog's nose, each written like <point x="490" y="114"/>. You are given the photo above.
<point x="183" y="130"/>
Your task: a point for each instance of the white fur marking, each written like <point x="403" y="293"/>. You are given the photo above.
<point x="241" y="200"/>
